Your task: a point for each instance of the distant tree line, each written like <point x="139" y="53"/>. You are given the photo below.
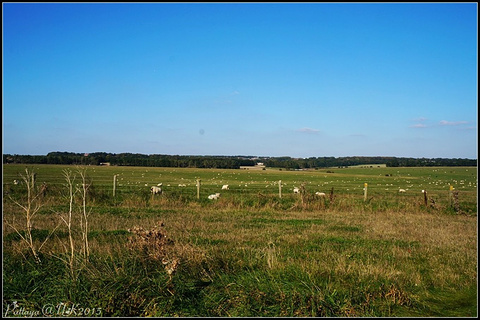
<point x="326" y="162"/>
<point x="227" y="162"/>
<point x="132" y="159"/>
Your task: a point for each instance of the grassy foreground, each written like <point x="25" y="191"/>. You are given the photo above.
<point x="248" y="254"/>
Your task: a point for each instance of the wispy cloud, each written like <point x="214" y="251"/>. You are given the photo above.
<point x="421" y="123"/>
<point x="418" y="125"/>
<point x="420" y="119"/>
<point x="309" y="130"/>
<point x="452" y="123"/>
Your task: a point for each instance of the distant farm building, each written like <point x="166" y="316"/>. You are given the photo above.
<point x="257" y="166"/>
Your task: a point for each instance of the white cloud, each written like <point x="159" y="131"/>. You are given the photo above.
<point x="418" y="125"/>
<point x="452" y="123"/>
<point x="309" y="130"/>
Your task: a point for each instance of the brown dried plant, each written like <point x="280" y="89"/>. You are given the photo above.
<point x="154" y="244"/>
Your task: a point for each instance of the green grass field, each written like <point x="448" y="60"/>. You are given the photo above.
<point x="250" y="253"/>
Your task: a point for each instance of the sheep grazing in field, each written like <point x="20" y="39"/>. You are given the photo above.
<point x="15" y="182"/>
<point x="296" y="190"/>
<point x="182" y="185"/>
<point x="320" y="194"/>
<point x="402" y="190"/>
<point x="225" y="187"/>
<point x="160" y="184"/>
<point x="214" y="196"/>
<point x="156" y="190"/>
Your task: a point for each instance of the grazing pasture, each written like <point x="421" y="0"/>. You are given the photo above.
<point x="248" y="253"/>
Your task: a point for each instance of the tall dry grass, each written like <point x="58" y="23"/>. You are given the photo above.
<point x="261" y="255"/>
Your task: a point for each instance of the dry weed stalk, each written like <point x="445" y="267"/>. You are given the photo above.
<point x="271" y="254"/>
<point x="84" y="220"/>
<point x="397" y="296"/>
<point x="68" y="219"/>
<point x="30" y="209"/>
<point x="156" y="245"/>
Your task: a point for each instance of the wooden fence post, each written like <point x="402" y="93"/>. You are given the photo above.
<point x="456" y="204"/>
<point x="450" y="195"/>
<point x="280" y="188"/>
<point x="365" y="187"/>
<point x="114" y="183"/>
<point x="198" y="188"/>
<point x="303" y="193"/>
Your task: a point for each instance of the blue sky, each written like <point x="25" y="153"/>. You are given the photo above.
<point x="264" y="79"/>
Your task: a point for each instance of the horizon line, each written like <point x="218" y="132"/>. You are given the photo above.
<point x="245" y="156"/>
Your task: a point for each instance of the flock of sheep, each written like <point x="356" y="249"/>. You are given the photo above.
<point x="320" y="194"/>
<point x="158" y="190"/>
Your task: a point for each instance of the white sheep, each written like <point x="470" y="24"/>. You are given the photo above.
<point x="402" y="190"/>
<point x="214" y="196"/>
<point x="156" y="190"/>
<point x="225" y="187"/>
<point x="296" y="190"/>
<point x="320" y="194"/>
